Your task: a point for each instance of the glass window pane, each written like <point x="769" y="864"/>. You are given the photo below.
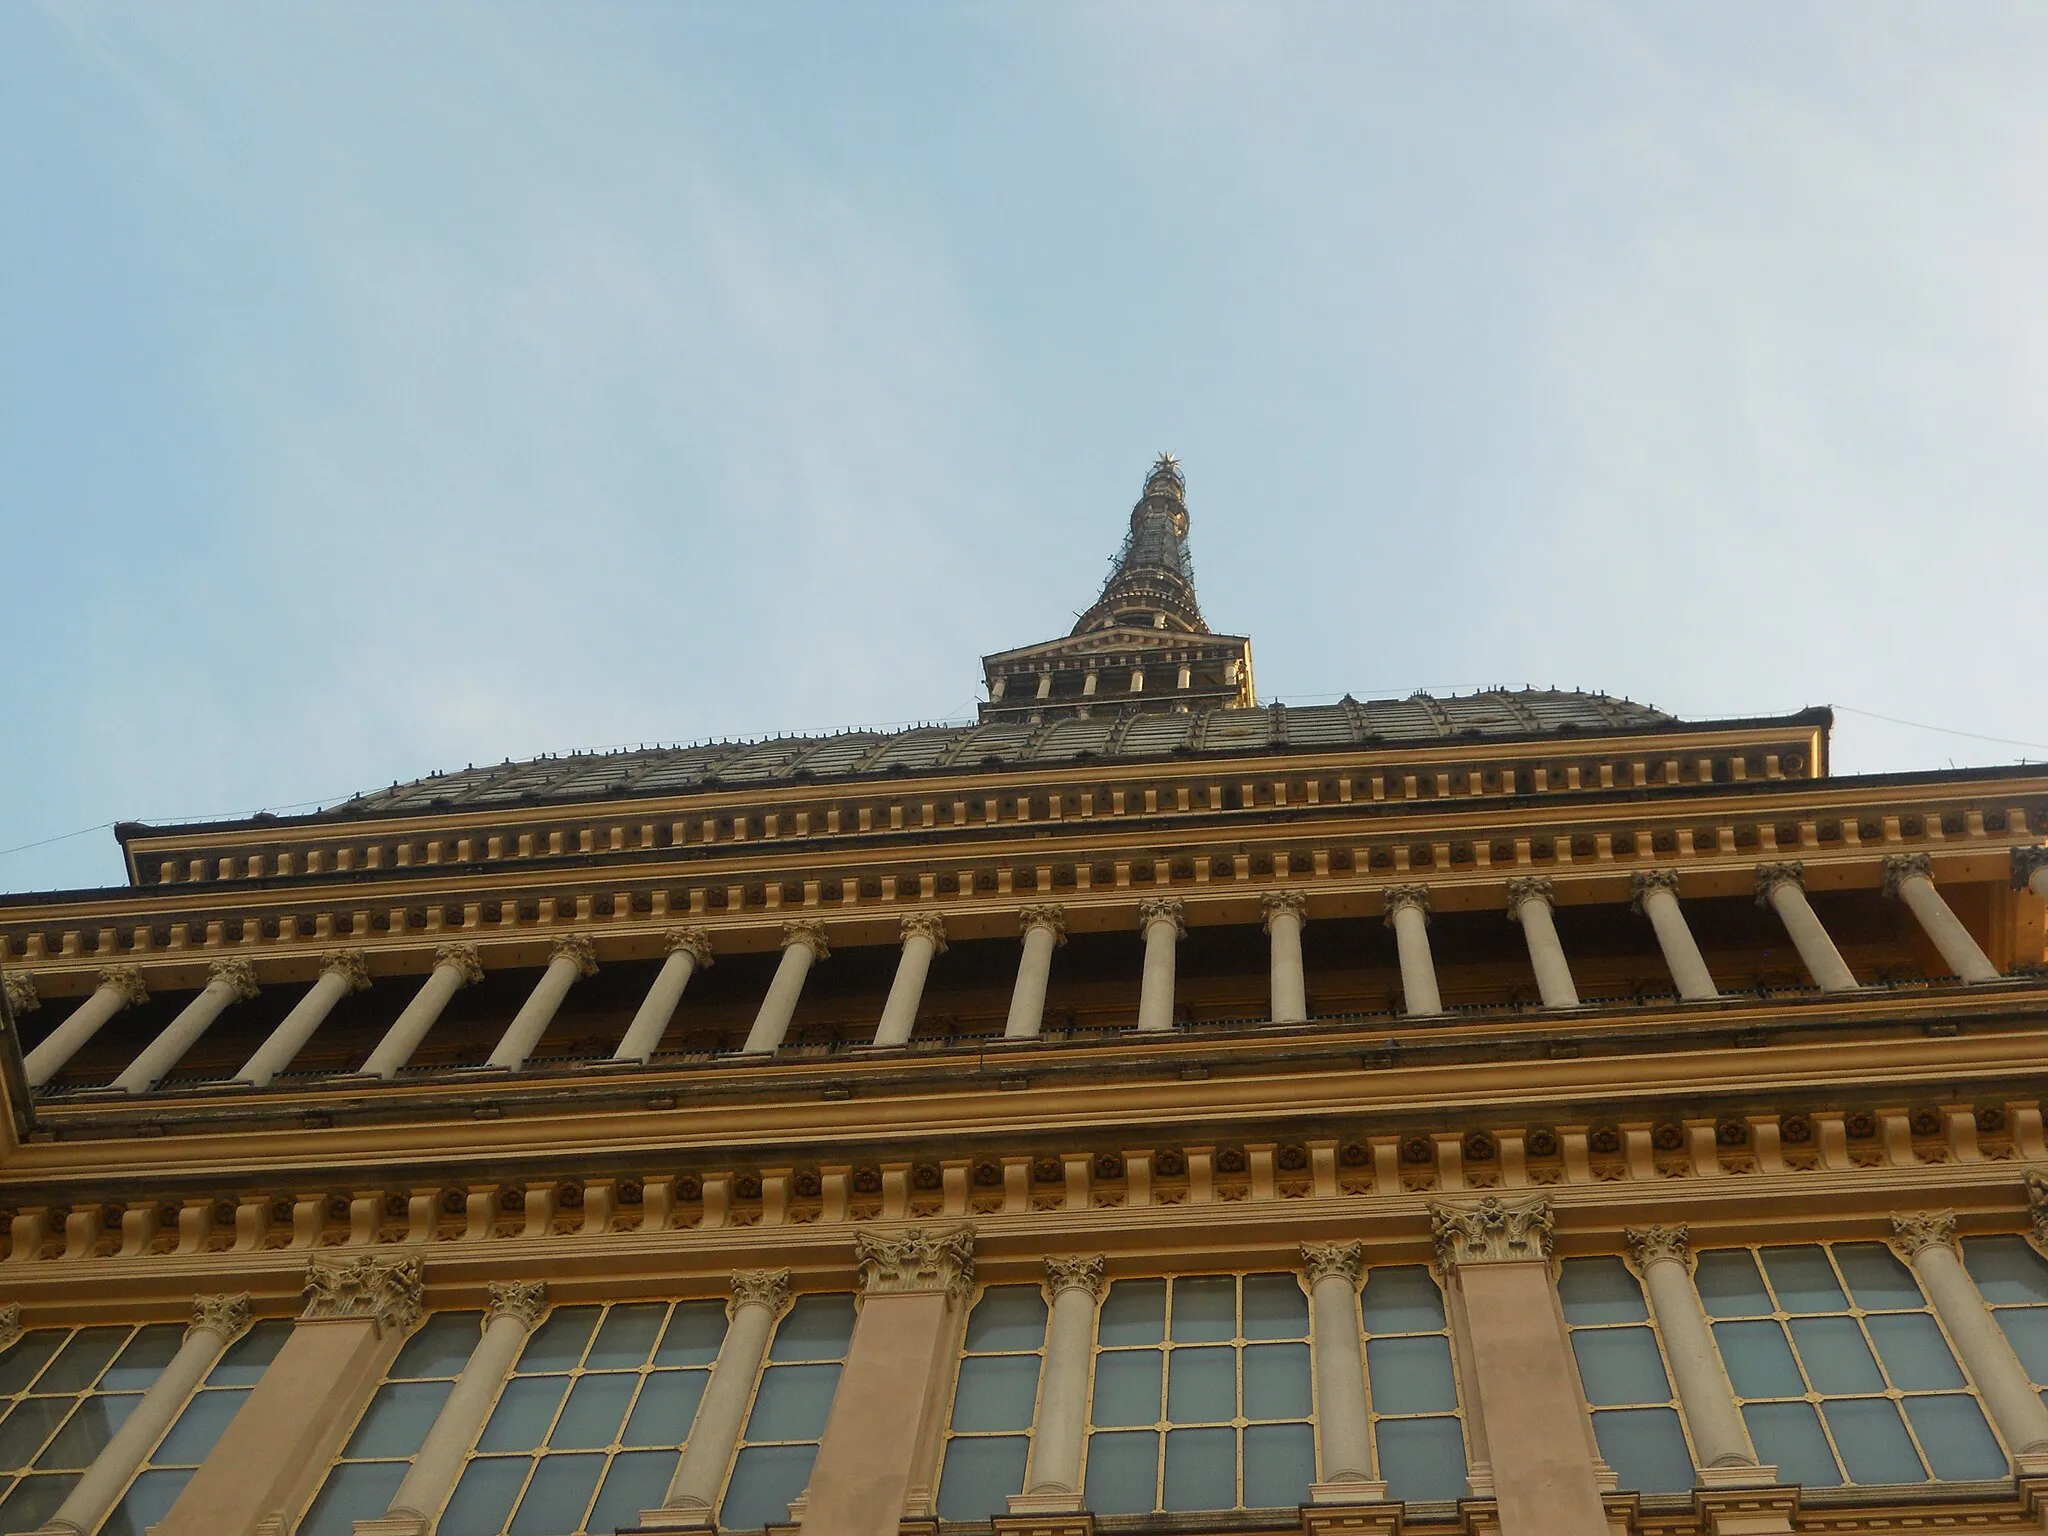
<point x="817" y="1328"/>
<point x="764" y="1480"/>
<point x="637" y="1480"/>
<point x="2006" y="1270"/>
<point x="666" y="1408"/>
<point x="1835" y="1356"/>
<point x="1422" y="1458"/>
<point x="1877" y="1278"/>
<point x="28" y="1354"/>
<point x="1620" y="1365"/>
<point x="202" y="1423"/>
<point x="1915" y="1355"/>
<point x="1790" y="1435"/>
<point x="980" y="1475"/>
<point x="1279" y="1464"/>
<point x="1646" y="1447"/>
<point x="1134" y="1312"/>
<point x="143" y="1360"/>
<point x="80" y="1362"/>
<point x="34" y="1500"/>
<point x="1201" y="1387"/>
<point x="1600" y="1291"/>
<point x="148" y="1500"/>
<point x="1759" y="1361"/>
<point x="1958" y="1443"/>
<point x="31" y="1422"/>
<point x="1007" y="1317"/>
<point x="441" y="1347"/>
<point x="595" y="1411"/>
<point x="559" y="1494"/>
<point x="2027" y="1329"/>
<point x="1276" y="1381"/>
<point x="626" y="1338"/>
<point x="792" y="1402"/>
<point x="695" y="1330"/>
<point x="1123" y="1473"/>
<point x="86" y="1433"/>
<point x="249" y="1356"/>
<point x="354" y="1491"/>
<point x="1127" y="1384"/>
<point x="1201" y="1469"/>
<point x="1275" y="1307"/>
<point x="1803" y="1279"/>
<point x="525" y="1410"/>
<point x="398" y="1418"/>
<point x="1873" y="1440"/>
<point x="1411" y="1375"/>
<point x="1204" y="1309"/>
<point x="996" y="1392"/>
<point x="1402" y="1298"/>
<point x="484" y="1497"/>
<point x="1730" y="1285"/>
<point x="558" y="1343"/>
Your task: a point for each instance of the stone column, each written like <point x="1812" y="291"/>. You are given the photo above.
<point x="120" y="987"/>
<point x="924" y="935"/>
<point x="759" y="1297"/>
<point x="1726" y="1456"/>
<point x="689" y="951"/>
<point x="341" y="972"/>
<point x="216" y="1322"/>
<point x="1656" y="896"/>
<point x="803" y="945"/>
<point x="229" y="981"/>
<point x="1286" y="911"/>
<point x="1045" y="930"/>
<point x="455" y="966"/>
<point x="1496" y="1253"/>
<point x="1162" y="922"/>
<point x="1909" y="877"/>
<point x="1529" y="903"/>
<point x="1782" y="887"/>
<point x="573" y="957"/>
<point x="1408" y="916"/>
<point x="516" y="1306"/>
<point x="882" y="1438"/>
<point x="1074" y="1286"/>
<point x="1926" y="1241"/>
<point x="271" y="1458"/>
<point x="1343" y="1424"/>
<point x="2030" y="870"/>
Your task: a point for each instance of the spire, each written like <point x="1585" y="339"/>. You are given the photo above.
<point x="1153" y="584"/>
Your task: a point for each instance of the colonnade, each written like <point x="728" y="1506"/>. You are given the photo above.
<point x="1162" y="921"/>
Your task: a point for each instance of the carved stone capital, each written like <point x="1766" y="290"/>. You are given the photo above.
<point x="1770" y="876"/>
<point x="10" y="1323"/>
<point x="21" y="993"/>
<point x="1918" y="1230"/>
<point x="928" y="925"/>
<point x="2037" y="1204"/>
<point x="1529" y="888"/>
<point x="235" y="973"/>
<point x="1492" y="1231"/>
<point x="1052" y="918"/>
<point x="1400" y="897"/>
<point x="1163" y="909"/>
<point x="696" y="942"/>
<point x="1293" y="903"/>
<point x="1901" y="867"/>
<point x="810" y="933"/>
<point x="1653" y="1245"/>
<point x="224" y="1316"/>
<point x="348" y="965"/>
<point x="1644" y="881"/>
<point x="2024" y="862"/>
<point x="759" y="1288"/>
<point x="916" y="1260"/>
<point x="463" y="957"/>
<point x="390" y="1290"/>
<point x="576" y="947"/>
<point x="526" y="1300"/>
<point x="126" y="980"/>
<point x="1322" y="1260"/>
<point x="1071" y="1272"/>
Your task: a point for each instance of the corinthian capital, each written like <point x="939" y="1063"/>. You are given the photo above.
<point x="810" y="933"/>
<point x="1163" y="909"/>
<point x="462" y="957"/>
<point x="21" y="993"/>
<point x="1493" y="1231"/>
<point x="1644" y="881"/>
<point x="237" y="974"/>
<point x="1322" y="1260"/>
<point x="1917" y="1230"/>
<point x="1529" y="888"/>
<point x="759" y="1288"/>
<point x="223" y="1316"/>
<point x="1901" y="867"/>
<point x="388" y="1290"/>
<point x="1770" y="876"/>
<point x="1293" y="903"/>
<point x="348" y="965"/>
<point x="1074" y="1273"/>
<point x="10" y="1323"/>
<point x="916" y="1260"/>
<point x="1049" y="917"/>
<point x="2037" y="1204"/>
<point x="1651" y="1245"/>
<point x="695" y="942"/>
<point x="2024" y="862"/>
<point x="1401" y="897"/>
<point x="576" y="947"/>
<point x="526" y="1300"/>
<point x="126" y="980"/>
<point x="927" y="925"/>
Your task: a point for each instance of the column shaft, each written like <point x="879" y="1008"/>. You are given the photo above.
<point x="1719" y="1437"/>
<point x="1546" y="954"/>
<point x="1343" y="1424"/>
<point x="2037" y="882"/>
<point x="1290" y="984"/>
<point x="771" y="1023"/>
<point x="899" y="1014"/>
<point x="1061" y="1433"/>
<point x="1155" y="995"/>
<point x="1824" y="963"/>
<point x="68" y="1038"/>
<point x="537" y="1012"/>
<point x="341" y="972"/>
<point x="1681" y="952"/>
<point x="1034" y="971"/>
<point x="651" y="1022"/>
<point x="411" y="1026"/>
<point x="1418" y="970"/>
<point x="1940" y="923"/>
<point x="692" y="1498"/>
<point x="1987" y="1356"/>
<point x="231" y="982"/>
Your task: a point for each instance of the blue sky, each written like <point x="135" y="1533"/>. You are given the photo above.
<point x="393" y="387"/>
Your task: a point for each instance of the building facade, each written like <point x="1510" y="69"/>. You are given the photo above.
<point x="1140" y="1110"/>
